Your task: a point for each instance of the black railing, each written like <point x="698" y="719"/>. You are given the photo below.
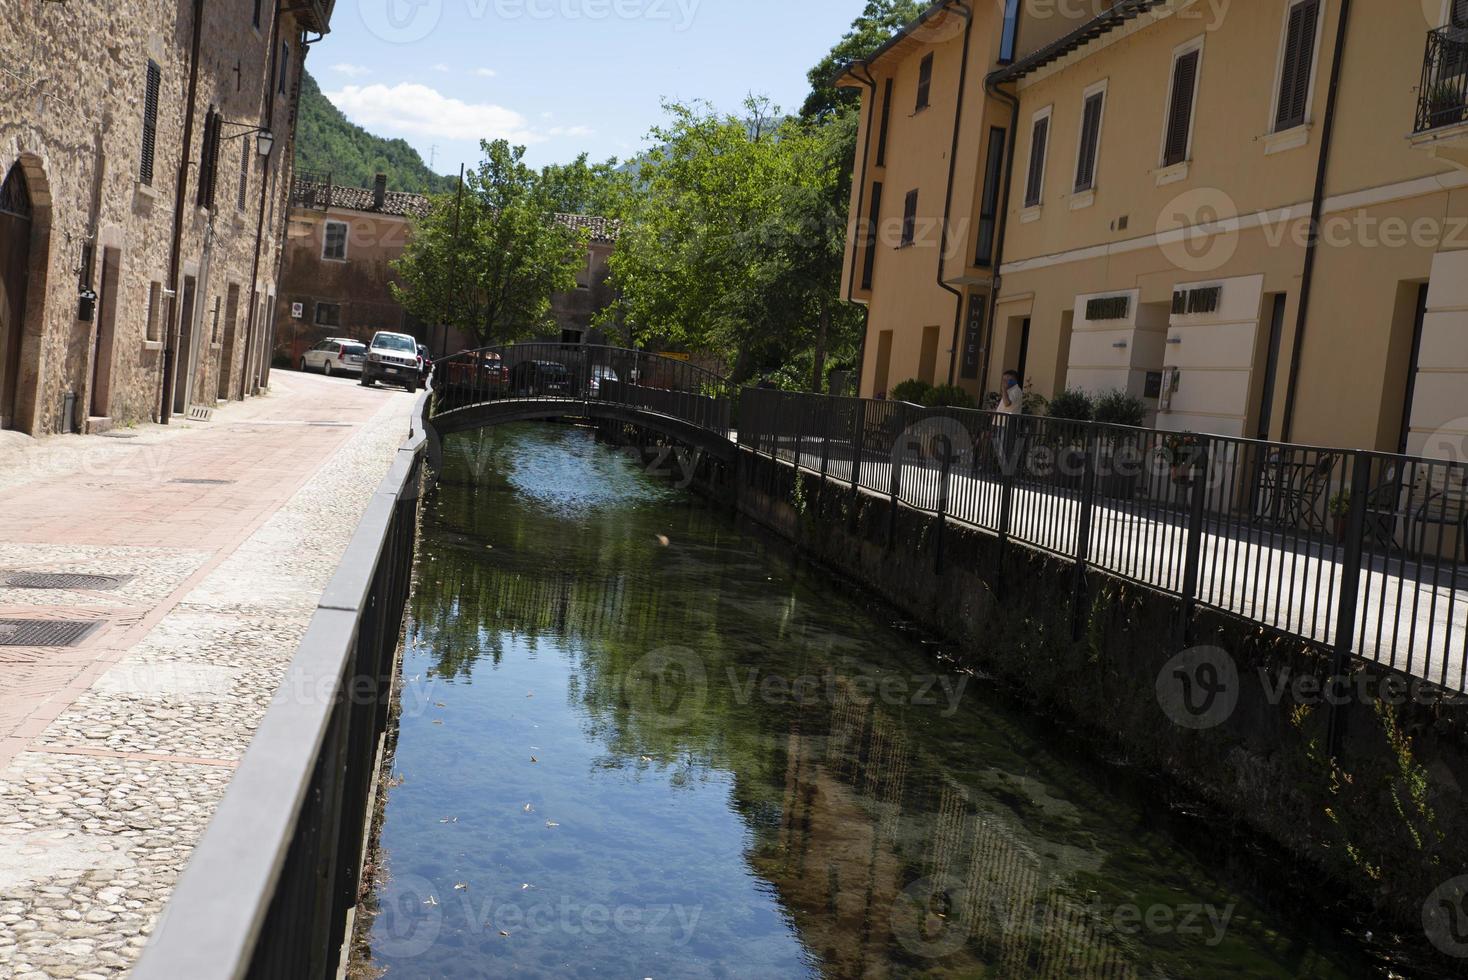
<point x="1443" y="97"/>
<point x="268" y="889"/>
<point x="1363" y="552"/>
<point x="582" y="376"/>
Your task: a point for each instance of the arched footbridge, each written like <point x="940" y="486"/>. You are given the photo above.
<point x="529" y="382"/>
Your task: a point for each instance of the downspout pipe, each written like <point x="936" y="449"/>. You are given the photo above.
<point x="861" y="207"/>
<point x="167" y="366"/>
<point x="994" y="92"/>
<point x="287" y="171"/>
<point x="272" y="59"/>
<point x="1307" y="277"/>
<point x="966" y="12"/>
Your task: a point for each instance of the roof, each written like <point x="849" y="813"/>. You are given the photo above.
<point x="405" y="205"/>
<point x="1098" y="26"/>
<point x="891" y="43"/>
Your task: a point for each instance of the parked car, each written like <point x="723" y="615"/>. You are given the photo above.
<point x="531" y="378"/>
<point x="425" y="364"/>
<point x="481" y="368"/>
<point x="338" y="355"/>
<point x="599" y="373"/>
<point x="391" y="357"/>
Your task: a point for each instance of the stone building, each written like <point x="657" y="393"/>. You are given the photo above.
<point x="145" y="157"/>
<point x="336" y="273"/>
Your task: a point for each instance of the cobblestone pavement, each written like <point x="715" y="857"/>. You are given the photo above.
<point x="114" y="753"/>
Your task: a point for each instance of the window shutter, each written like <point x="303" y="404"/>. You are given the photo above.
<point x="869" y="263"/>
<point x="1299" y="57"/>
<point x="209" y="159"/>
<point x="150" y="123"/>
<point x="1180" y="113"/>
<point x="886" y="124"/>
<point x="1459" y="16"/>
<point x="909" y="218"/>
<point x="1090" y="142"/>
<point x="1035" y="183"/>
<point x="245" y="146"/>
<point x="925" y="82"/>
<point x="989" y="208"/>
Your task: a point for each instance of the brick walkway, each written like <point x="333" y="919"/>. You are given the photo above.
<point x="113" y="753"/>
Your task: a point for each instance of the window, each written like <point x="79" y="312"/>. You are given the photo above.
<point x="285" y="66"/>
<point x="1011" y="32"/>
<point x="328" y="314"/>
<point x="334" y="247"/>
<point x="1297" y="64"/>
<point x="1039" y="141"/>
<point x="209" y="159"/>
<point x="244" y="173"/>
<point x="155" y="297"/>
<point x="925" y="82"/>
<point x="1458" y="14"/>
<point x="150" y="122"/>
<point x="989" y="203"/>
<point x="257" y="13"/>
<point x="1090" y="145"/>
<point x="1177" y="146"/>
<point x="869" y="263"/>
<point x="909" y="219"/>
<point x="886" y="123"/>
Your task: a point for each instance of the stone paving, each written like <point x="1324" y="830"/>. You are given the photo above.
<point x="113" y="754"/>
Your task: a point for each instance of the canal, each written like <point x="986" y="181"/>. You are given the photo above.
<point x="639" y="740"/>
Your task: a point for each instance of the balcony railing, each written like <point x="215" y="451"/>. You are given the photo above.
<point x="1443" y="98"/>
<point x="311" y="190"/>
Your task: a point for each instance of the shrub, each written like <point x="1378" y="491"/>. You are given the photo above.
<point x="911" y="390"/>
<point x="1073" y="405"/>
<point x="1116" y="407"/>
<point x="948" y="396"/>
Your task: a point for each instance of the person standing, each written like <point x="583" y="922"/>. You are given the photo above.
<point x="1011" y="406"/>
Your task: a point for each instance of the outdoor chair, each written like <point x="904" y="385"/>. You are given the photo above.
<point x="1446" y="506"/>
<point x="1293" y="490"/>
<point x="1384" y="511"/>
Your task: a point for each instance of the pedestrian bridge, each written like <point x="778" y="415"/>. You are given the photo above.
<point x="529" y="382"/>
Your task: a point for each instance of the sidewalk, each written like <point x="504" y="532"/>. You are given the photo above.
<point x="114" y="753"/>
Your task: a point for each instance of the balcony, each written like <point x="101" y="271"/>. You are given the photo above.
<point x="1442" y="104"/>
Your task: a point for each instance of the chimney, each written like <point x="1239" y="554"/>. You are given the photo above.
<point x="379" y="192"/>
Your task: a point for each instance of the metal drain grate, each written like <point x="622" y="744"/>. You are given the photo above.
<point x="45" y="632"/>
<point x="204" y="483"/>
<point x="65" y="580"/>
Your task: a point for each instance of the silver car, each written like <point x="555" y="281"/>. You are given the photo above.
<point x="338" y="355"/>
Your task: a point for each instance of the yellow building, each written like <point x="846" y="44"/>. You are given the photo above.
<point x="1152" y="229"/>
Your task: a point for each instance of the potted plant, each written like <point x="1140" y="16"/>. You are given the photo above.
<point x="1445" y="104"/>
<point x="1070" y="412"/>
<point x="1340" y="511"/>
<point x="1120" y="460"/>
<point x="1183" y="454"/>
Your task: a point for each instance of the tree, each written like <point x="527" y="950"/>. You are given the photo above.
<point x="489" y="264"/>
<point x="877" y="24"/>
<point x="580" y="187"/>
<point x="735" y="244"/>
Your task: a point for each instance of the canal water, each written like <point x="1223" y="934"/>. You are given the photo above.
<point x="638" y="740"/>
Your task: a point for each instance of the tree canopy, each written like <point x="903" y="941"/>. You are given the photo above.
<point x="488" y="264"/>
<point x="877" y="24"/>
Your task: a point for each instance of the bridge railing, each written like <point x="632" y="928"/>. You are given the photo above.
<point x="582" y="373"/>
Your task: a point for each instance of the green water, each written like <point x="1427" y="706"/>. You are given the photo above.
<point x="640" y="741"/>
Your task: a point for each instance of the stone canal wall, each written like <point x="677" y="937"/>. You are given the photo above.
<point x="1229" y="711"/>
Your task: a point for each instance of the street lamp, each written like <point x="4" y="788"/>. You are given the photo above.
<point x="264" y="145"/>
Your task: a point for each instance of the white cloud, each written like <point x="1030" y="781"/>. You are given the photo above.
<point x="410" y="108"/>
<point x="570" y="131"/>
<point x="485" y="72"/>
<point x="351" y="71"/>
<point x="441" y="67"/>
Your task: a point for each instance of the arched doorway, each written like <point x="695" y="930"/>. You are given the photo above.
<point x="15" y="253"/>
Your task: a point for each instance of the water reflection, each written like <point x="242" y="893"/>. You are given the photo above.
<point x="637" y="742"/>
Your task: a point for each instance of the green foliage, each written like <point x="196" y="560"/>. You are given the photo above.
<point x="1074" y="405"/>
<point x="580" y="187"/>
<point x="948" y="396"/>
<point x="490" y="267"/>
<point x="735" y="243"/>
<point x="912" y="390"/>
<point x="877" y="24"/>
<point x="326" y="142"/>
<point x="1116" y="407"/>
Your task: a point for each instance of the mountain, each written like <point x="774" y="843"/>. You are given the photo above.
<point x="327" y="142"/>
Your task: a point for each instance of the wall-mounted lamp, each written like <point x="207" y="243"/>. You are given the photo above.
<point x="1120" y="345"/>
<point x="264" y="145"/>
<point x="1174" y="340"/>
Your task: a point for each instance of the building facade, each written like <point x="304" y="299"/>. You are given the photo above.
<point x="337" y="272"/>
<point x="144" y="170"/>
<point x="1154" y="231"/>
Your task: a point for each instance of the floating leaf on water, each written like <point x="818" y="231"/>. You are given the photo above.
<point x="431" y="901"/>
<point x="647" y="758"/>
<point x="529" y="808"/>
<point x="503" y="933"/>
<point x="460" y="885"/>
<point x="439" y="704"/>
<point x="663" y="540"/>
<point x="551" y="823"/>
<point x="534" y="759"/>
<point x="526" y="886"/>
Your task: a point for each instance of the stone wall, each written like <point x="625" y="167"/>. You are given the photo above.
<point x="1386" y="825"/>
<point x="73" y="79"/>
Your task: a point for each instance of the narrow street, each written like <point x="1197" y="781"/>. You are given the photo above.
<point x="114" y="752"/>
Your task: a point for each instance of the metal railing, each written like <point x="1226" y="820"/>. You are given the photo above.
<point x="583" y="374"/>
<point x="1443" y="98"/>
<point x="311" y="190"/>
<point x="268" y="889"/>
<point x="1363" y="552"/>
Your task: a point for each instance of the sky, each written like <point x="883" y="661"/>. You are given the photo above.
<point x="561" y="76"/>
